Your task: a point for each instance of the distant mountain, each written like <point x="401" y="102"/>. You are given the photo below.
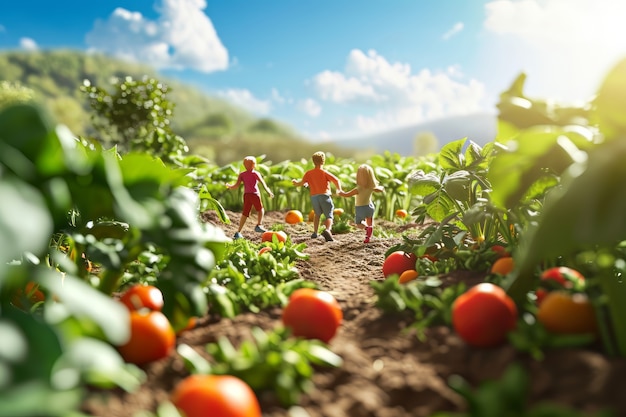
<point x="480" y="128"/>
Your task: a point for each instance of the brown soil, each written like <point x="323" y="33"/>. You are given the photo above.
<point x="386" y="372"/>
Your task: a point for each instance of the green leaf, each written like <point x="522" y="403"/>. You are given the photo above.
<point x="82" y="300"/>
<point x="21" y="201"/>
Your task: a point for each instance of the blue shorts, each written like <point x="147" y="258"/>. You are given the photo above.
<point x="323" y="204"/>
<point x="363" y="212"/>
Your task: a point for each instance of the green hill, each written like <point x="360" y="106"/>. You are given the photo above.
<point x="211" y="126"/>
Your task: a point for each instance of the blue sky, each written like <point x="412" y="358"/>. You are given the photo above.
<point x="344" y="68"/>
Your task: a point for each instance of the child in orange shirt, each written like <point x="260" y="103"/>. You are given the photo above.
<point x="250" y="178"/>
<point x="366" y="185"/>
<point x="318" y="181"/>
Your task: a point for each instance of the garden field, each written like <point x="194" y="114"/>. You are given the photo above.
<point x="387" y="371"/>
<point x="492" y="286"/>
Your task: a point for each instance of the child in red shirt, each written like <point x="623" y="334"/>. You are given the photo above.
<point x="251" y="194"/>
<point x="318" y="181"/>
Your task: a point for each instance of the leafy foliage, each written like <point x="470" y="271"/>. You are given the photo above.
<point x="273" y="361"/>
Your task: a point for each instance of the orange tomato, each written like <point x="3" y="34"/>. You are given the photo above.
<point x="338" y="211"/>
<point x="311" y="215"/>
<point x="294" y="217"/>
<point x="191" y="323"/>
<point x="397" y="262"/>
<point x="484" y="315"/>
<point x="142" y="296"/>
<point x="408" y="275"/>
<point x="503" y="266"/>
<point x="312" y="314"/>
<point x="401" y="213"/>
<point x="151" y="337"/>
<point x="268" y="236"/>
<point x="30" y="295"/>
<point x="215" y="395"/>
<point x="265" y="249"/>
<point x="565" y="313"/>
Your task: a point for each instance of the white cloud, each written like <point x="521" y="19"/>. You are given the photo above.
<point x="458" y="27"/>
<point x="246" y="99"/>
<point x="573" y="42"/>
<point x="28" y="44"/>
<point x="391" y="95"/>
<point x="277" y="97"/>
<point x="310" y="107"/>
<point x="558" y="21"/>
<point x="182" y="37"/>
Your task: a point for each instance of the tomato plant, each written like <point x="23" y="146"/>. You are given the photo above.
<point x="268" y="236"/>
<point x="312" y="314"/>
<point x="565" y="313"/>
<point x="397" y="262"/>
<point x="151" y="337"/>
<point x="558" y="277"/>
<point x="484" y="315"/>
<point x="215" y="395"/>
<point x="142" y="296"/>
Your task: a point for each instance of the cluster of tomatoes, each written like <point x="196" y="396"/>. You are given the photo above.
<point x="310" y="313"/>
<point x="485" y="314"/>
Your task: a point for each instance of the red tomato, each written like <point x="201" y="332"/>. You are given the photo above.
<point x="312" y="314"/>
<point x="215" y="395"/>
<point x="151" y="337"/>
<point x="143" y="296"/>
<point x="558" y="277"/>
<point x="483" y="315"/>
<point x="268" y="236"/>
<point x="397" y="262"/>
<point x="500" y="250"/>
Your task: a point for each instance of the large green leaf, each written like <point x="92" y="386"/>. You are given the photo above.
<point x="610" y="102"/>
<point x="588" y="210"/>
<point x="535" y="153"/>
<point x="25" y="223"/>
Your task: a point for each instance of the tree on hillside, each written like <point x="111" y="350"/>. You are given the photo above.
<point x="264" y="126"/>
<point x="14" y="93"/>
<point x="425" y="143"/>
<point x="135" y="116"/>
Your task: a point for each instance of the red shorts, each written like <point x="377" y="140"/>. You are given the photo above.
<point x="251" y="200"/>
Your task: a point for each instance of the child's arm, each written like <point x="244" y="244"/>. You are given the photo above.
<point x="269" y="192"/>
<point x="379" y="189"/>
<point x="350" y="193"/>
<point x="297" y="183"/>
<point x="235" y="185"/>
<point x="335" y="181"/>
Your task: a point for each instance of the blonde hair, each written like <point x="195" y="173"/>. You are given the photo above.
<point x="318" y="158"/>
<point x="365" y="177"/>
<point x="249" y="162"/>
